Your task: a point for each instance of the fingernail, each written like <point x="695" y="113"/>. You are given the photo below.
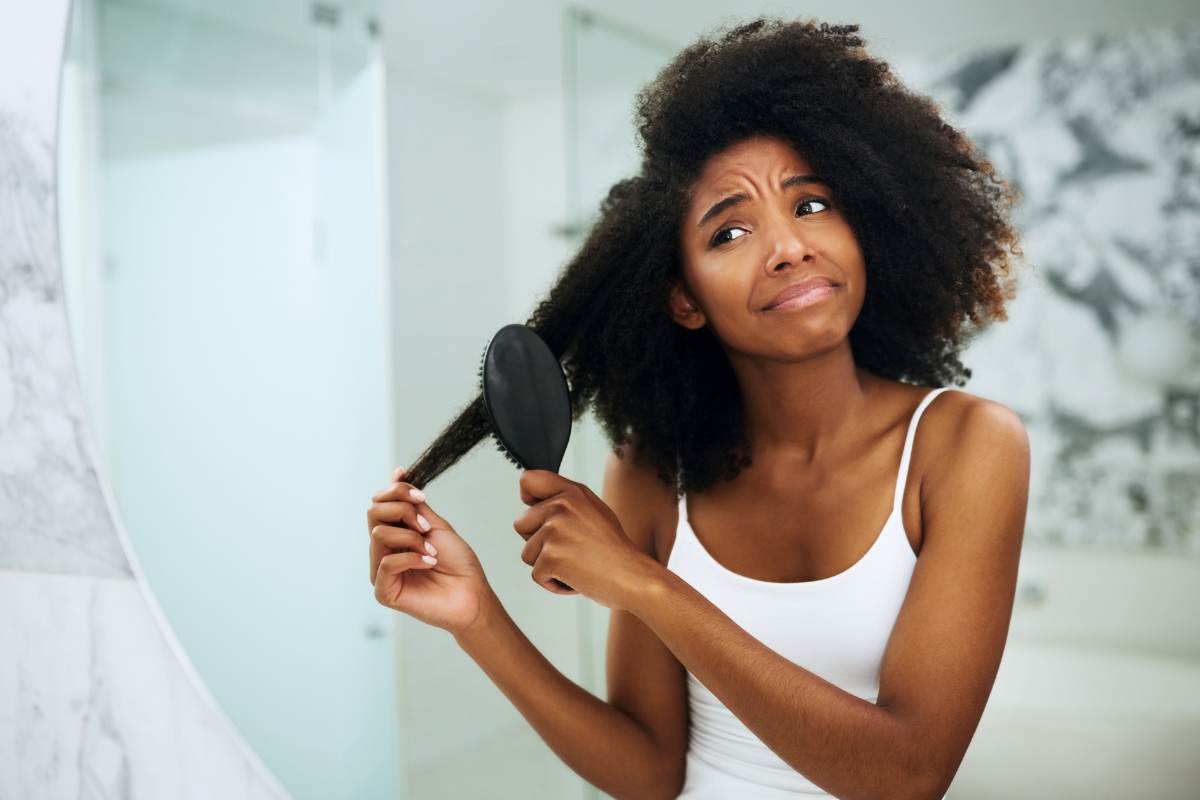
<point x="430" y="549"/>
<point x="424" y="523"/>
<point x="429" y="559"/>
<point x="418" y="495"/>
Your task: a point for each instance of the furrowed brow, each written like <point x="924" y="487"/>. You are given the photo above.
<point x="802" y="180"/>
<point x="734" y="199"/>
<point x="728" y="202"/>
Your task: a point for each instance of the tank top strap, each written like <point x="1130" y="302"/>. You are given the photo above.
<point x="686" y="548"/>
<point x="902" y="477"/>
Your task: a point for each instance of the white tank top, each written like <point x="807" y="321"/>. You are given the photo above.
<point x="836" y="628"/>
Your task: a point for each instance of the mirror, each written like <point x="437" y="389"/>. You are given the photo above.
<point x="279" y="290"/>
<point x="221" y="172"/>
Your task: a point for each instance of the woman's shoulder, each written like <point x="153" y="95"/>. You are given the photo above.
<point x="970" y="456"/>
<point x="951" y="413"/>
<point x="646" y="506"/>
<point x="967" y="447"/>
<point x="959" y="418"/>
<point x="950" y="416"/>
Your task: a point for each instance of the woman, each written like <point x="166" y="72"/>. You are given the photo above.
<point x="810" y="592"/>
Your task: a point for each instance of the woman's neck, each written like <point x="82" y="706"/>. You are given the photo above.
<point x="800" y="407"/>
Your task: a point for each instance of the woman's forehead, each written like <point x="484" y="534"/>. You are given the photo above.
<point x="761" y="159"/>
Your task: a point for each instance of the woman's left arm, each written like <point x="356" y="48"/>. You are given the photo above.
<point x="943" y="653"/>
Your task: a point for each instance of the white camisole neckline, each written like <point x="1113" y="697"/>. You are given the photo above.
<point x="836" y="627"/>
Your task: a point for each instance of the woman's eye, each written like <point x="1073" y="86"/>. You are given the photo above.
<point x="811" y="206"/>
<point x="727" y="235"/>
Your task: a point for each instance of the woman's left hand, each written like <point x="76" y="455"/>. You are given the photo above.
<point x="571" y="535"/>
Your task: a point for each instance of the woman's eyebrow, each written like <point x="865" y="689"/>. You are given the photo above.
<point x="734" y="199"/>
<point x="720" y="206"/>
<point x="802" y="180"/>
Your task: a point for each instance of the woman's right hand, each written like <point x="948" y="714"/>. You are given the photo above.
<point x="419" y="564"/>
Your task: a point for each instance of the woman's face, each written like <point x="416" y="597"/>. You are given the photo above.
<point x="769" y="262"/>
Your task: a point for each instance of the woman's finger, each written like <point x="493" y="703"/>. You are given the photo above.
<point x="543" y="575"/>
<point x="399" y="492"/>
<point x="402" y="562"/>
<point x="386" y="540"/>
<point x="539" y="484"/>
<point x="398" y="474"/>
<point x="533" y="518"/>
<point x="434" y="518"/>
<point x="406" y="493"/>
<point x="395" y="538"/>
<point x="398" y="513"/>
<point x="397" y="563"/>
<point x="533" y="547"/>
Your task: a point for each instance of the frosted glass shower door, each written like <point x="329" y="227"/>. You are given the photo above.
<point x="248" y="428"/>
<point x="241" y="375"/>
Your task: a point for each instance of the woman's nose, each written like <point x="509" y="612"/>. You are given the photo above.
<point x="790" y="245"/>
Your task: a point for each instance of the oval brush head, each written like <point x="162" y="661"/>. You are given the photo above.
<point x="527" y="401"/>
<point x="526" y="397"/>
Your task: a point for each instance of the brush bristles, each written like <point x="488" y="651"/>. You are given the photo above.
<point x="504" y="451"/>
<point x="495" y="439"/>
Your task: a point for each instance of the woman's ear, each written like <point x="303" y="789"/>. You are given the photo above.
<point x="684" y="308"/>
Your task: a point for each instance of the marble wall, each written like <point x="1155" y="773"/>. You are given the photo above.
<point x="1101" y="357"/>
<point x="96" y="698"/>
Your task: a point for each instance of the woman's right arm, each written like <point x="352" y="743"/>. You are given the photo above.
<point x="632" y="746"/>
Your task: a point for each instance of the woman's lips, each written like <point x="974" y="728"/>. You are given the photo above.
<point x="804" y="293"/>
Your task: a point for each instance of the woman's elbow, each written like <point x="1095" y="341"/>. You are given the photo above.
<point x="928" y="781"/>
<point x="660" y="782"/>
<point x="666" y="785"/>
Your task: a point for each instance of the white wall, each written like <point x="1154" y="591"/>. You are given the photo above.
<point x="477" y="189"/>
<point x="535" y="198"/>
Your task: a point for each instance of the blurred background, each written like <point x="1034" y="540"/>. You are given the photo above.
<point x="289" y="228"/>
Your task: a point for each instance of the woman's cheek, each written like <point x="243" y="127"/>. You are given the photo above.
<point x="727" y="306"/>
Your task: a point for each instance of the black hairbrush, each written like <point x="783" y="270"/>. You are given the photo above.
<point x="526" y="398"/>
<point x="527" y="401"/>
